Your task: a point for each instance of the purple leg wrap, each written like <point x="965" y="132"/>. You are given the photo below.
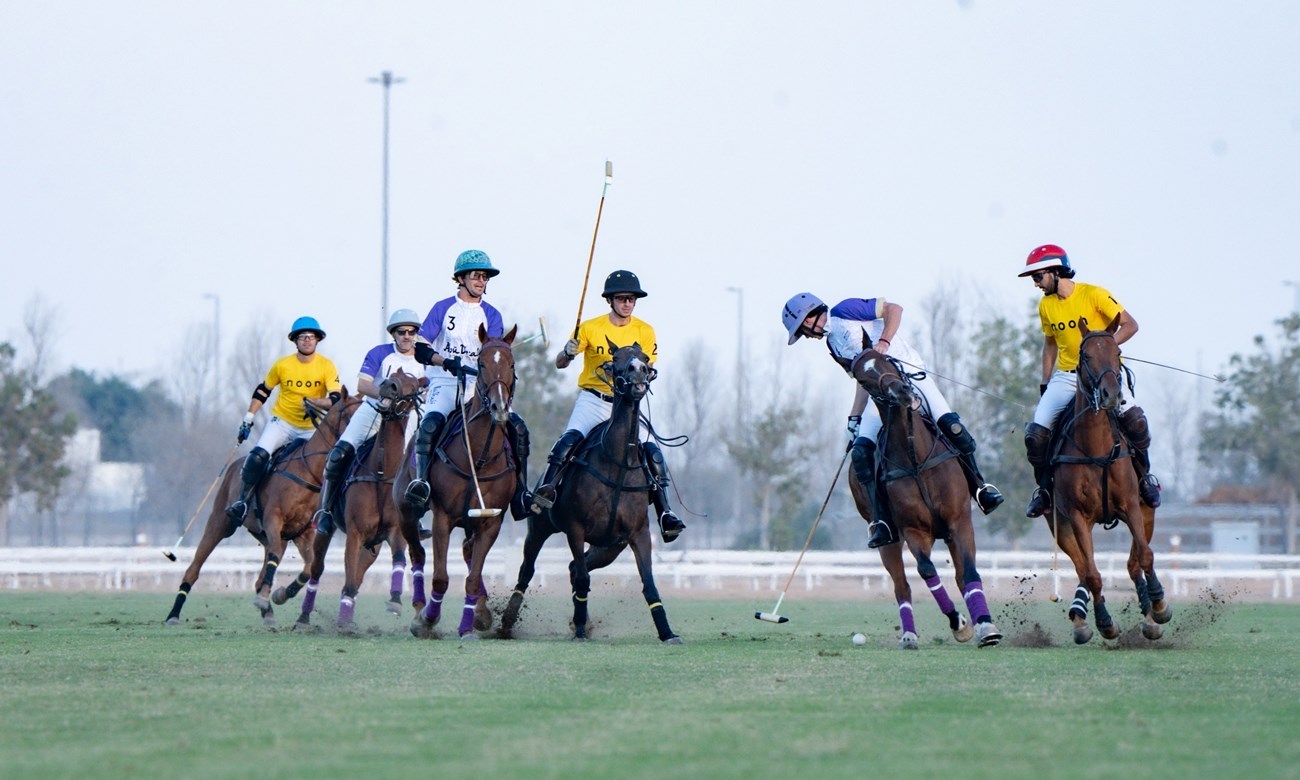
<point x="398" y="580"/>
<point x="975" y="603"/>
<point x="940" y="594"/>
<point x="433" y="610"/>
<point x="905" y="615"/>
<point x="467" y="615"/>
<point x="345" y="610"/>
<point x="417" y="585"/>
<point x="309" y="601"/>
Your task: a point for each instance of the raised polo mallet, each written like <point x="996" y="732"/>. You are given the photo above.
<point x="171" y="554"/>
<point x="609" y="179"/>
<point x="482" y="511"/>
<point x="775" y="615"/>
<point x="540" y="334"/>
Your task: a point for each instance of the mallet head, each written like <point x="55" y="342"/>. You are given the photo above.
<point x="771" y="617"/>
<point x="171" y="556"/>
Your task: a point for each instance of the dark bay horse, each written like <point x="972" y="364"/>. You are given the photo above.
<point x="1094" y="482"/>
<point x="472" y="479"/>
<point x="369" y="516"/>
<point x="928" y="497"/>
<point x="602" y="501"/>
<point x="280" y="512"/>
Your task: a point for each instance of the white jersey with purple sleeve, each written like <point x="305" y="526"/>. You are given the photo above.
<point x="845" y="323"/>
<point x="452" y="329"/>
<point x="381" y="361"/>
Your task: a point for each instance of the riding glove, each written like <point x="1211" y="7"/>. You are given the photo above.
<point x="571" y="348"/>
<point x="245" y="428"/>
<point x="855" y="421"/>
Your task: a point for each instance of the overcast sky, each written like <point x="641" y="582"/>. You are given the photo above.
<point x="152" y="153"/>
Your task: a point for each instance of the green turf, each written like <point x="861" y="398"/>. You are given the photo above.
<point x="95" y="685"/>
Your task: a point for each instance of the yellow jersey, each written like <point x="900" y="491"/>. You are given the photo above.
<point x="1060" y="319"/>
<point x="297" y="380"/>
<point x="592" y="336"/>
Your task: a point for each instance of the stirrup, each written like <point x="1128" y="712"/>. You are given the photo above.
<point x="324" y="521"/>
<point x="417" y="493"/>
<point x="670" y="526"/>
<point x="237" y="511"/>
<point x="988" y="497"/>
<point x="882" y="534"/>
<point x="543" y="498"/>
<point x="1039" y="504"/>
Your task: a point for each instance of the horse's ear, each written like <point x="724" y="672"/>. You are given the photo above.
<point x="482" y="333"/>
<point x="343" y="392"/>
<point x="867" y="343"/>
<point x="1114" y="324"/>
<point x="612" y="346"/>
<point x="509" y="338"/>
<point x="1083" y="324"/>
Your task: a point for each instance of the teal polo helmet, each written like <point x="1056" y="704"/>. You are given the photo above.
<point x="472" y="260"/>
<point x="303" y="324"/>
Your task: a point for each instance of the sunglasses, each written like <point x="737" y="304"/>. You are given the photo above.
<point x="1037" y="276"/>
<point x="625" y="299"/>
<point x="404" y="332"/>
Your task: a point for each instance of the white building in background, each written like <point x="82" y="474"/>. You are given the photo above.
<point x="101" y="487"/>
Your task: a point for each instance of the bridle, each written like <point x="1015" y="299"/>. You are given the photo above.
<point x="1090" y="379"/>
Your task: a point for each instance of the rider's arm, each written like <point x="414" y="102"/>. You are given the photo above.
<point x="1049" y="358"/>
<point x="1128" y="327"/>
<point x="893" y="317"/>
<point x="366" y="386"/>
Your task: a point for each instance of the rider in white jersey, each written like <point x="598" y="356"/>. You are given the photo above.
<point x="380" y="362"/>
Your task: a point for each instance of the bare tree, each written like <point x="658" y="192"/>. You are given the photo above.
<point x="1176" y="438"/>
<point x="191" y="380"/>
<point x="256" y="348"/>
<point x="39" y="324"/>
<point x="941" y="335"/>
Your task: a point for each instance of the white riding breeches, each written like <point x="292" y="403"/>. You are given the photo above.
<point x="589" y="411"/>
<point x="278" y="433"/>
<point x="442" y="398"/>
<point x="1060" y="394"/>
<point x="871" y="423"/>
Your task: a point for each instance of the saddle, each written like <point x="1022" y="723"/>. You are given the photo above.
<point x="278" y="459"/>
<point x="582" y="458"/>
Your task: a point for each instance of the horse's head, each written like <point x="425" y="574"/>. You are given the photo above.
<point x="496" y="374"/>
<point x="1099" y="367"/>
<point x="399" y="393"/>
<point x="629" y="371"/>
<point x="880" y="376"/>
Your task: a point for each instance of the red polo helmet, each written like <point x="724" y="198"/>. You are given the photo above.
<point x="1048" y="256"/>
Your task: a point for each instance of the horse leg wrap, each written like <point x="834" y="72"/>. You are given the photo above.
<point x="417" y="586"/>
<point x="467" y="616"/>
<point x="181" y="595"/>
<point x="906" y="617"/>
<point x="346" y="605"/>
<point x="1079" y="607"/>
<point x="660" y="618"/>
<point x="397" y="579"/>
<point x="940" y="593"/>
<point x="433" y="610"/>
<point x="272" y="563"/>
<point x="309" y="601"/>
<point x="976" y="605"/>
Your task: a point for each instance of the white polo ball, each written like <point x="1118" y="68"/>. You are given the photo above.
<point x="859" y="639"/>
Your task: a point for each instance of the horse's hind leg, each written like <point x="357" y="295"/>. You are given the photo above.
<point x="962" y="546"/>
<point x="891" y="556"/>
<point x="282" y="595"/>
<point x="533" y="542"/>
<point x="398" y="576"/>
<point x="1161" y="612"/>
<point x="641" y="549"/>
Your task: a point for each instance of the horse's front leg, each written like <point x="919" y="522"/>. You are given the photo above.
<point x="1161" y="612"/>
<point x="539" y="530"/>
<point x="356" y="560"/>
<point x="642" y="550"/>
<point x="580" y="580"/>
<point x="891" y="556"/>
<point x="397" y="578"/>
<point x="213" y="533"/>
<point x="1081" y="553"/>
<point x="961" y="544"/>
<point x="274" y="548"/>
<point x="921" y="547"/>
<point x="476" y="614"/>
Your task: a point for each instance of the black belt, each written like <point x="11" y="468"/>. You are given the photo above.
<point x="609" y="399"/>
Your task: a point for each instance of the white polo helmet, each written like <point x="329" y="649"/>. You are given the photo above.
<point x="403" y="317"/>
<point x="796" y="310"/>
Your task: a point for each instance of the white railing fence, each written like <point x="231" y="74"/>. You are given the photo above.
<point x="711" y="572"/>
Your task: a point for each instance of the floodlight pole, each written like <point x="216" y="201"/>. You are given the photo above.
<point x="387" y="80"/>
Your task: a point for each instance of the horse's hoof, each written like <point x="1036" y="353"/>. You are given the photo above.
<point x="909" y="640"/>
<point x="674" y="640"/>
<point x="511" y="614"/>
<point x="1163" y="616"/>
<point x="987" y="635"/>
<point x="395" y="607"/>
<point x="1110" y="632"/>
<point x="964" y="632"/>
<point x="268" y="620"/>
<point x="1152" y="631"/>
<point x="1082" y="635"/>
<point x="482" y="617"/>
<point x="420" y="629"/>
<point x="469" y="636"/>
<point x="304" y="620"/>
<point x="172" y="621"/>
<point x="261" y="603"/>
<point x="577" y="638"/>
<point x="279" y="597"/>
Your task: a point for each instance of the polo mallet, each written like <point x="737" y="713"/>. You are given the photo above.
<point x="775" y="615"/>
<point x="1056" y="594"/>
<point x="540" y="334"/>
<point x="609" y="179"/>
<point x="171" y="554"/>
<point x="482" y="511"/>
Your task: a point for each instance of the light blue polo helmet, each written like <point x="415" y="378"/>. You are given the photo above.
<point x="304" y="324"/>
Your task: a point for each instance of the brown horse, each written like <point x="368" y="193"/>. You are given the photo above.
<point x="602" y="501"/>
<point x="928" y="497"/>
<point x="281" y="511"/>
<point x="369" y="515"/>
<point x="1094" y="481"/>
<point x="472" y="479"/>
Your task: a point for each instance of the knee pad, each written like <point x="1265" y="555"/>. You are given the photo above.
<point x="519" y="432"/>
<point x="339" y="457"/>
<point x="863" y="456"/>
<point x="1037" y="440"/>
<point x="431" y="422"/>
<point x="954" y="430"/>
<point x="1134" y="423"/>
<point x="564" y="447"/>
<point x="255" y="465"/>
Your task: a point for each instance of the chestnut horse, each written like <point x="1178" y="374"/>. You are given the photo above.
<point x="928" y="497"/>
<point x="1094" y="482"/>
<point x="603" y="501"/>
<point x="472" y="479"/>
<point x="369" y="516"/>
<point x="280" y="512"/>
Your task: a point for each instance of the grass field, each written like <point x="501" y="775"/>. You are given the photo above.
<point x="93" y="685"/>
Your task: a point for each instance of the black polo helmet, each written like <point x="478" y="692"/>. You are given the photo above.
<point x="623" y="283"/>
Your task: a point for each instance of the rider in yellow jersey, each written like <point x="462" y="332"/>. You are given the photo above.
<point x="1065" y="303"/>
<point x="305" y="379"/>
<point x="595" y="400"/>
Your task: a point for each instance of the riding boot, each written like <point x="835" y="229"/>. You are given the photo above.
<point x="986" y="495"/>
<point x="1037" y="441"/>
<point x="336" y="468"/>
<point x="1133" y="422"/>
<point x="883" y="530"/>
<point x="544" y="496"/>
<point x="256" y="464"/>
<point x="417" y="490"/>
<point x="519" y="440"/>
<point x="670" y="525"/>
